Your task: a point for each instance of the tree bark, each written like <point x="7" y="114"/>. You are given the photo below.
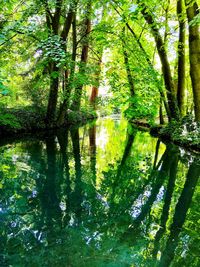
<point x="194" y="52"/>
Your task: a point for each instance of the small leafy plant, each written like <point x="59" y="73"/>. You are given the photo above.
<point x="9" y="120"/>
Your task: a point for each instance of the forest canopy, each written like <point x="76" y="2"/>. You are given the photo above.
<point x="62" y="56"/>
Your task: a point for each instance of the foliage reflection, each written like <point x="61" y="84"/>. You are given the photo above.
<point x="102" y="195"/>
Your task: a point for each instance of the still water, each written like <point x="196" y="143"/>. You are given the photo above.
<point x="104" y="194"/>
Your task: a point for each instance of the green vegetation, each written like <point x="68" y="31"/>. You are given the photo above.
<point x="64" y="57"/>
<point x="105" y="194"/>
<point x="186" y="133"/>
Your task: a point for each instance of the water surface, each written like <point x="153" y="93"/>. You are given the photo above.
<point x="104" y="194"/>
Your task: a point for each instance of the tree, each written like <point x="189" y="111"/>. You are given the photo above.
<point x="194" y="52"/>
<point x="84" y="57"/>
<point x="181" y="57"/>
<point x="53" y="25"/>
<point x="167" y="75"/>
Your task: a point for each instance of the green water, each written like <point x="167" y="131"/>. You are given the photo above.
<point x="104" y="194"/>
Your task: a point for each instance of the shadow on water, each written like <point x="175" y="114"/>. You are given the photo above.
<point x="101" y="195"/>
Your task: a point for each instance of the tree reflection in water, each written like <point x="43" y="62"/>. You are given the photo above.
<point x="121" y="201"/>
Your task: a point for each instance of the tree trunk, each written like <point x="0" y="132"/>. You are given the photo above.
<point x="127" y="65"/>
<point x="174" y="111"/>
<point x="181" y="59"/>
<point x="95" y="88"/>
<point x="94" y="95"/>
<point x="161" y="113"/>
<point x="68" y="82"/>
<point x="53" y="95"/>
<point x="162" y="94"/>
<point x="84" y="58"/>
<point x="53" y="24"/>
<point x="194" y="52"/>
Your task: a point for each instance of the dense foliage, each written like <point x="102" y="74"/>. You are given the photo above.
<point x="141" y="57"/>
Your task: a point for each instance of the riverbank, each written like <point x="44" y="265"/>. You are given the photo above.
<point x="185" y="133"/>
<point x="181" y="137"/>
<point x="17" y="121"/>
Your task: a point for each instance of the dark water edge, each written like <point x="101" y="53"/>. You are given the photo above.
<point x="40" y="133"/>
<point x="28" y="122"/>
<point x="104" y="194"/>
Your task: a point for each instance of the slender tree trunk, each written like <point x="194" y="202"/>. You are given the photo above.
<point x="68" y="82"/>
<point x="161" y="113"/>
<point x="164" y="62"/>
<point x="94" y="95"/>
<point x="162" y="94"/>
<point x="167" y="28"/>
<point x="95" y="88"/>
<point x="53" y="95"/>
<point x="194" y="52"/>
<point x="84" y="58"/>
<point x="53" y="24"/>
<point x="129" y="75"/>
<point x="127" y="65"/>
<point x="181" y="58"/>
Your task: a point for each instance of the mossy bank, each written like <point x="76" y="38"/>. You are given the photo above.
<point x="28" y="120"/>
